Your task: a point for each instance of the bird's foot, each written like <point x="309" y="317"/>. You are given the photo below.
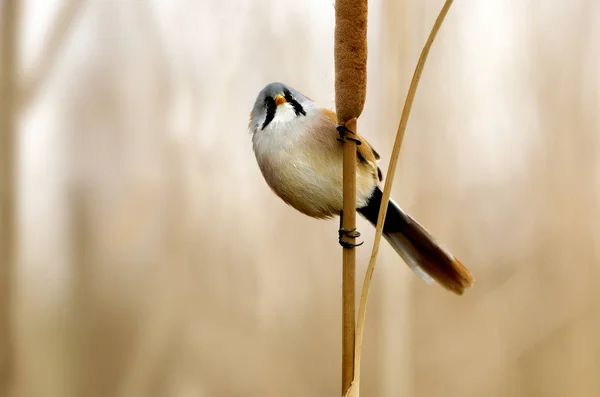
<point x="344" y="132"/>
<point x="352" y="233"/>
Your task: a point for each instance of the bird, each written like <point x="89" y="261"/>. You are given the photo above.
<point x="298" y="146"/>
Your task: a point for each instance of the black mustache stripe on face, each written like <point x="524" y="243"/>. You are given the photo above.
<point x="271" y="106"/>
<point x="297" y="107"/>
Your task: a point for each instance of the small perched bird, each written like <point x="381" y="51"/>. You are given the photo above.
<point x="299" y="150"/>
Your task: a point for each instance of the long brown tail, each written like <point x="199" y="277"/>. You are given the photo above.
<point x="421" y="252"/>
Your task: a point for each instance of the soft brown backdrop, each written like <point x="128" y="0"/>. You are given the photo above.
<point x="151" y="259"/>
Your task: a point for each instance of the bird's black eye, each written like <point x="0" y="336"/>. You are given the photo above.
<point x="297" y="107"/>
<point x="270" y="106"/>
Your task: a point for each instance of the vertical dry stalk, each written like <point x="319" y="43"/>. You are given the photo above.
<point x="349" y="262"/>
<point x="388" y="188"/>
<point x="350" y="50"/>
<point x="7" y="193"/>
<point x="50" y="52"/>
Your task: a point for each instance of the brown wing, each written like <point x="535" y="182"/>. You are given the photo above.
<point x="366" y="153"/>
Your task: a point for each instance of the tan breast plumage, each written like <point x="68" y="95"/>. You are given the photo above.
<point x="302" y="163"/>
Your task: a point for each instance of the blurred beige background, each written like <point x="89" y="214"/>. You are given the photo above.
<point x="150" y="258"/>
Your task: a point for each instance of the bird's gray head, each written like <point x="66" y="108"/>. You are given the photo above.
<point x="277" y="102"/>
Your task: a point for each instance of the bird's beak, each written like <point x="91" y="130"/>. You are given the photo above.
<point x="279" y="99"/>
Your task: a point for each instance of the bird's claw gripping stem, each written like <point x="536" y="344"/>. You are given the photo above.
<point x="351" y="233"/>
<point x="344" y="132"/>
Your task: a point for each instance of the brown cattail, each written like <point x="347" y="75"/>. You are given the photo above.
<point x="350" y="50"/>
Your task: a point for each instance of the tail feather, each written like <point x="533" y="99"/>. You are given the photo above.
<point x="418" y="248"/>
